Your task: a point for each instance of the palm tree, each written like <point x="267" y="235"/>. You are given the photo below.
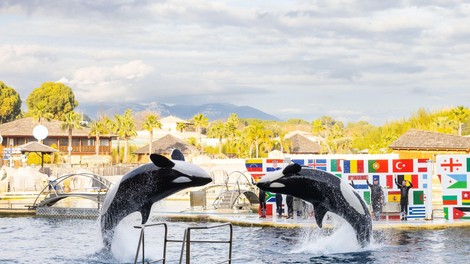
<point x="217" y="130"/>
<point x="181" y="126"/>
<point x="39" y="112"/>
<point x="200" y="122"/>
<point x="461" y="115"/>
<point x="258" y="135"/>
<point x="125" y="129"/>
<point x="98" y="128"/>
<point x="151" y="122"/>
<point x="70" y="122"/>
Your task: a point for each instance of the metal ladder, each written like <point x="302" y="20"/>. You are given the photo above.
<point x="185" y="242"/>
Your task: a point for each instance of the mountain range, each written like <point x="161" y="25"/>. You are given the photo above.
<point x="214" y="111"/>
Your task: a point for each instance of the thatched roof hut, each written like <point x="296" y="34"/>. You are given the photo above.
<point x="165" y="145"/>
<point x="303" y="145"/>
<point x="35" y="146"/>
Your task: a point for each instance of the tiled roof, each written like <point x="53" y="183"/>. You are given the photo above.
<point x="425" y="140"/>
<point x="165" y="144"/>
<point x="25" y="126"/>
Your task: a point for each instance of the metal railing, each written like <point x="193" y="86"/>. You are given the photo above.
<point x="185" y="242"/>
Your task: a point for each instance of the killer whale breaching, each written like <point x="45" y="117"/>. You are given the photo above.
<point x="139" y="189"/>
<point x="326" y="192"/>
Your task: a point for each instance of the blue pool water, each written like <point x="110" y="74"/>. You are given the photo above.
<point x="47" y="240"/>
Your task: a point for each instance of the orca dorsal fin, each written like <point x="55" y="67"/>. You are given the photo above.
<point x="291" y="169"/>
<point x="145" y="211"/>
<point x="161" y="161"/>
<point x="176" y="154"/>
<point x="320" y="212"/>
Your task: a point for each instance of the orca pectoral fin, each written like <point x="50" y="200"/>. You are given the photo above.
<point x="320" y="212"/>
<point x="145" y="211"/>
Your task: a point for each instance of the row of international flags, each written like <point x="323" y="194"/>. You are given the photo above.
<point x="452" y="170"/>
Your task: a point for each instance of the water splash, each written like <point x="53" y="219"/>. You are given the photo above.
<point x="338" y="237"/>
<point x="126" y="240"/>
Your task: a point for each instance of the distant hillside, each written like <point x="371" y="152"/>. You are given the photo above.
<point x="211" y="111"/>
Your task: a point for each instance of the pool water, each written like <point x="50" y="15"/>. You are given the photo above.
<point x="47" y="240"/>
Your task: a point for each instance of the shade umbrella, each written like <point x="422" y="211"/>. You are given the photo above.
<point x="37" y="148"/>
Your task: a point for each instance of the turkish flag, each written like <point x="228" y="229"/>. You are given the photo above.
<point x="403" y="165"/>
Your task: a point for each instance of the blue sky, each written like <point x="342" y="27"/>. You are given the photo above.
<point x="369" y="60"/>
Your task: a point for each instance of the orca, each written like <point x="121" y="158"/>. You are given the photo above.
<point x="139" y="189"/>
<point x="326" y="192"/>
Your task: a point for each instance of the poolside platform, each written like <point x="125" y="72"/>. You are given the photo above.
<point x="253" y="220"/>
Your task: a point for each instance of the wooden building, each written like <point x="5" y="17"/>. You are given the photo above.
<point x="20" y="132"/>
<point x="425" y="144"/>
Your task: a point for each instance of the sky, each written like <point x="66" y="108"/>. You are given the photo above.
<point x="364" y="60"/>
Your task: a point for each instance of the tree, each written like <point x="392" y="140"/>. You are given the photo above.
<point x="461" y="114"/>
<point x="181" y="126"/>
<point x="99" y="128"/>
<point x="125" y="129"/>
<point x="10" y="108"/>
<point x="151" y="122"/>
<point x="217" y="130"/>
<point x="200" y="122"/>
<point x="257" y="135"/>
<point x="54" y="98"/>
<point x="70" y="122"/>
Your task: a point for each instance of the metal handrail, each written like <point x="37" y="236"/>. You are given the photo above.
<point x="185" y="242"/>
<point x="142" y="241"/>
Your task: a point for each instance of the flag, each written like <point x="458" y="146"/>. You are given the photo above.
<point x="366" y="196"/>
<point x="422" y="165"/>
<point x="257" y="176"/>
<point x="413" y="178"/>
<point x="394" y="196"/>
<point x="449" y="199"/>
<point x="270" y="197"/>
<point x="353" y="166"/>
<point x="462" y="213"/>
<point x="389" y="179"/>
<point x="468" y="164"/>
<point x="273" y="164"/>
<point x="378" y="166"/>
<point x="465" y="198"/>
<point x="451" y="164"/>
<point x="361" y="185"/>
<point x="335" y="165"/>
<point x="319" y="164"/>
<point x="455" y="181"/>
<point x="416" y="212"/>
<point x="418" y="197"/>
<point x="403" y="165"/>
<point x="301" y="162"/>
<point x="254" y="165"/>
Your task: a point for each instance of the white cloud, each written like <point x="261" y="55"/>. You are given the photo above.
<point x="374" y="60"/>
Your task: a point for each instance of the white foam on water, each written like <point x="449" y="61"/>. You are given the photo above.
<point x="126" y="239"/>
<point x="340" y="238"/>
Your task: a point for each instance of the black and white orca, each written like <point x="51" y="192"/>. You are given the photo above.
<point x="326" y="192"/>
<point x="139" y="189"/>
